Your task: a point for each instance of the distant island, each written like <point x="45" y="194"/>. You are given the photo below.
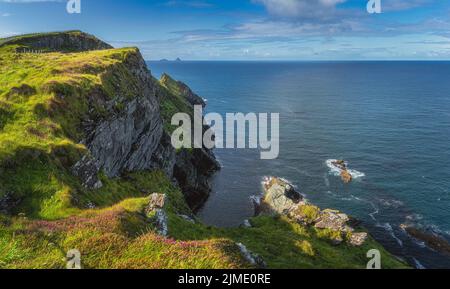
<point x="167" y="60"/>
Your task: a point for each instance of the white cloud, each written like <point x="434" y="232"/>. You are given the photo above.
<point x="300" y="8"/>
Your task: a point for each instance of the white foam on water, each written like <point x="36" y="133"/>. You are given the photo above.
<point x="391" y="203"/>
<point x="418" y="265"/>
<point x="336" y="171"/>
<point x="376" y="212"/>
<point x="390" y="230"/>
<point x="326" y="180"/>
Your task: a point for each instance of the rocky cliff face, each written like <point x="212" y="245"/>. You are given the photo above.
<point x="124" y="141"/>
<point x="134" y="139"/>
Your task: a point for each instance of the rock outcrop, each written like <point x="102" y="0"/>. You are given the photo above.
<point x="346" y="177"/>
<point x="341" y="166"/>
<point x="280" y="197"/>
<point x="183" y="89"/>
<point x="125" y="141"/>
<point x="430" y="239"/>
<point x="155" y="211"/>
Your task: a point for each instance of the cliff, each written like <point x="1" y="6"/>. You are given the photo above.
<point x="86" y="163"/>
<point x="70" y="41"/>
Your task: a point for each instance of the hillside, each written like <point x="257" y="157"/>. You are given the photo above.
<point x="86" y="163"/>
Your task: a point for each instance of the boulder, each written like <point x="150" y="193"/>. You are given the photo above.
<point x="332" y="220"/>
<point x="358" y="239"/>
<point x="341" y="164"/>
<point x="431" y="239"/>
<point x="280" y="195"/>
<point x="187" y="218"/>
<point x="346" y="177"/>
<point x="156" y="213"/>
<point x="281" y="198"/>
<point x="157" y="201"/>
<point x="246" y="224"/>
<point x="253" y="259"/>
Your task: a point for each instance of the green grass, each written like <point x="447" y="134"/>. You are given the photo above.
<point x="120" y="236"/>
<point x="172" y="101"/>
<point x="43" y="100"/>
<point x="40" y="130"/>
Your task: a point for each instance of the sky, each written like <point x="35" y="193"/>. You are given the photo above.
<point x="248" y="29"/>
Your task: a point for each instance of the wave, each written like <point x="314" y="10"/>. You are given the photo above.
<point x="391" y="203"/>
<point x="326" y="180"/>
<point x="334" y="170"/>
<point x="390" y="230"/>
<point x="418" y="265"/>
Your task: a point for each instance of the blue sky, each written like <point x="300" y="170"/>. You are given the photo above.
<point x="248" y="29"/>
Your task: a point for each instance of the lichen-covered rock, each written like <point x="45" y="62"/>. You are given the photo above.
<point x="156" y="212"/>
<point x="157" y="201"/>
<point x="280" y="195"/>
<point x="330" y="219"/>
<point x="358" y="239"/>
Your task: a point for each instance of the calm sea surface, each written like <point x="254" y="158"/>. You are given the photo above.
<point x="389" y="120"/>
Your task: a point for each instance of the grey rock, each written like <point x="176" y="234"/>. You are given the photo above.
<point x="246" y="224"/>
<point x="162" y="223"/>
<point x="253" y="259"/>
<point x="192" y="171"/>
<point x="187" y="218"/>
<point x="86" y="169"/>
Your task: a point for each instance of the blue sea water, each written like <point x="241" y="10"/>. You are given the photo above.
<point x="389" y="120"/>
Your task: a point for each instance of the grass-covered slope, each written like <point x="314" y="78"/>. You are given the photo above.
<point x="44" y="99"/>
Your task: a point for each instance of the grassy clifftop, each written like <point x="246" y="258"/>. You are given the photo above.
<point x="46" y="211"/>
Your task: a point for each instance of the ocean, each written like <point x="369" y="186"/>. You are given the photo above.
<point x="389" y="120"/>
